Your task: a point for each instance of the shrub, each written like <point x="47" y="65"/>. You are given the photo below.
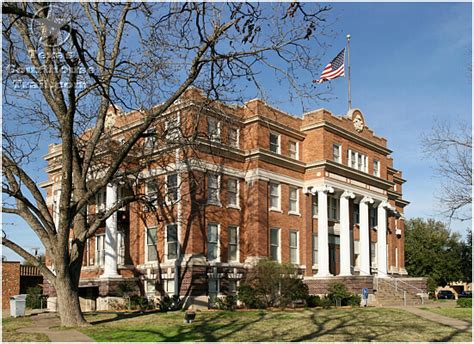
<point x="338" y="291"/>
<point x="354" y="300"/>
<point x="313" y="301"/>
<point x="248" y="296"/>
<point x="140" y="302"/>
<point x="292" y="289"/>
<point x="227" y="303"/>
<point x="270" y="284"/>
<point x="33" y="297"/>
<point x="464" y="302"/>
<point x="170" y="303"/>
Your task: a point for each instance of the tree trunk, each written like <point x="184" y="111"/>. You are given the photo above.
<point x="69" y="308"/>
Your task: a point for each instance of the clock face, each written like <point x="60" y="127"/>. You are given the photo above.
<point x="358" y="121"/>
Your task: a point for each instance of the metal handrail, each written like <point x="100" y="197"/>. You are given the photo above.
<point x="395" y="285"/>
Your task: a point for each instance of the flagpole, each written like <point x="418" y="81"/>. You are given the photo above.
<point x="349" y="70"/>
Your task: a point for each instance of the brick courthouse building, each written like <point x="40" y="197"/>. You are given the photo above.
<point x="318" y="191"/>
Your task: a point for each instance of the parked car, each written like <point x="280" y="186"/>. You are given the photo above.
<point x="445" y="295"/>
<point x="466" y="293"/>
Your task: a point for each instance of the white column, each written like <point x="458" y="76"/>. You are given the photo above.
<point x="364" y="239"/>
<point x="110" y="260"/>
<point x="345" y="239"/>
<point x="323" y="242"/>
<point x="382" y="239"/>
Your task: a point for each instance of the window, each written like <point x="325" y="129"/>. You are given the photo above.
<point x="213" y="129"/>
<point x="274" y="196"/>
<point x="356" y="253"/>
<point x="150" y="287"/>
<point x="232" y="287"/>
<point x="233" y="233"/>
<point x="336" y="153"/>
<point x="232" y="192"/>
<point x="293" y="149"/>
<point x="357" y="160"/>
<point x="274" y="143"/>
<point x="315" y="205"/>
<point x="275" y="244"/>
<point x="294" y="257"/>
<point x="376" y="168"/>
<point x="315" y="249"/>
<point x="353" y="159"/>
<point x="212" y="242"/>
<point x="151" y="253"/>
<point x="333" y="208"/>
<point x="213" y="188"/>
<point x="294" y="200"/>
<point x="172" y="187"/>
<point x="151" y="191"/>
<point x="168" y="286"/>
<point x="100" y="197"/>
<point x="120" y="248"/>
<point x="213" y="289"/>
<point x="373" y="254"/>
<point x="172" y="241"/>
<point x="172" y="127"/>
<point x="100" y="249"/>
<point x="150" y="139"/>
<point x="356" y="214"/>
<point x="233" y="137"/>
<point x="373" y="217"/>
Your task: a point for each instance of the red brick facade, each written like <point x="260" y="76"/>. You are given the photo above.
<point x="256" y="157"/>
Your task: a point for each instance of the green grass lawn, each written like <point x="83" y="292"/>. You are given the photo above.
<point x="10" y="334"/>
<point x="360" y="324"/>
<point x="458" y="313"/>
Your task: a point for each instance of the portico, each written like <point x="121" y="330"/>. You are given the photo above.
<point x="345" y="225"/>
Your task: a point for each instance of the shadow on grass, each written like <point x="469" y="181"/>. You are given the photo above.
<point x="330" y="325"/>
<point x="120" y="316"/>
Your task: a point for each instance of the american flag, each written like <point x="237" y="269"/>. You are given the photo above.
<point x="334" y="69"/>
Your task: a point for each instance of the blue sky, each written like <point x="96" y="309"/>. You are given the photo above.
<point x="409" y="67"/>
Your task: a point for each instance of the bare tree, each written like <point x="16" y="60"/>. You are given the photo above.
<point x="63" y="74"/>
<point x="451" y="147"/>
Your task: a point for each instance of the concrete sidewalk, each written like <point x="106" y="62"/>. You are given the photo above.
<point x="43" y="322"/>
<point x="455" y="323"/>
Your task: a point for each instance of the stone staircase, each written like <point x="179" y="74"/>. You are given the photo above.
<point x="398" y="292"/>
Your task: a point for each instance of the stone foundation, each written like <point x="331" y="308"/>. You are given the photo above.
<point x="354" y="284"/>
<point x="110" y="303"/>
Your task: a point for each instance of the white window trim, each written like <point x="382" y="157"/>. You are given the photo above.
<point x="292" y="212"/>
<point x="339" y="148"/>
<point x="178" y="123"/>
<point x="297" y="149"/>
<point x="100" y="206"/>
<point x="218" y="258"/>
<point x="363" y="157"/>
<point x="120" y="237"/>
<point x="237" y="142"/>
<point x="315" y="265"/>
<point x="337" y="202"/>
<point x="96" y="256"/>
<point x="315" y="216"/>
<point x="237" y="205"/>
<point x="178" y="196"/>
<point x="218" y="202"/>
<point x="147" y="191"/>
<point x="146" y="245"/>
<point x="279" y="197"/>
<point x="297" y="246"/>
<point x="377" y="171"/>
<point x="166" y="243"/>
<point x="279" y="142"/>
<point x="216" y="137"/>
<point x="238" y="244"/>
<point x="279" y="243"/>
